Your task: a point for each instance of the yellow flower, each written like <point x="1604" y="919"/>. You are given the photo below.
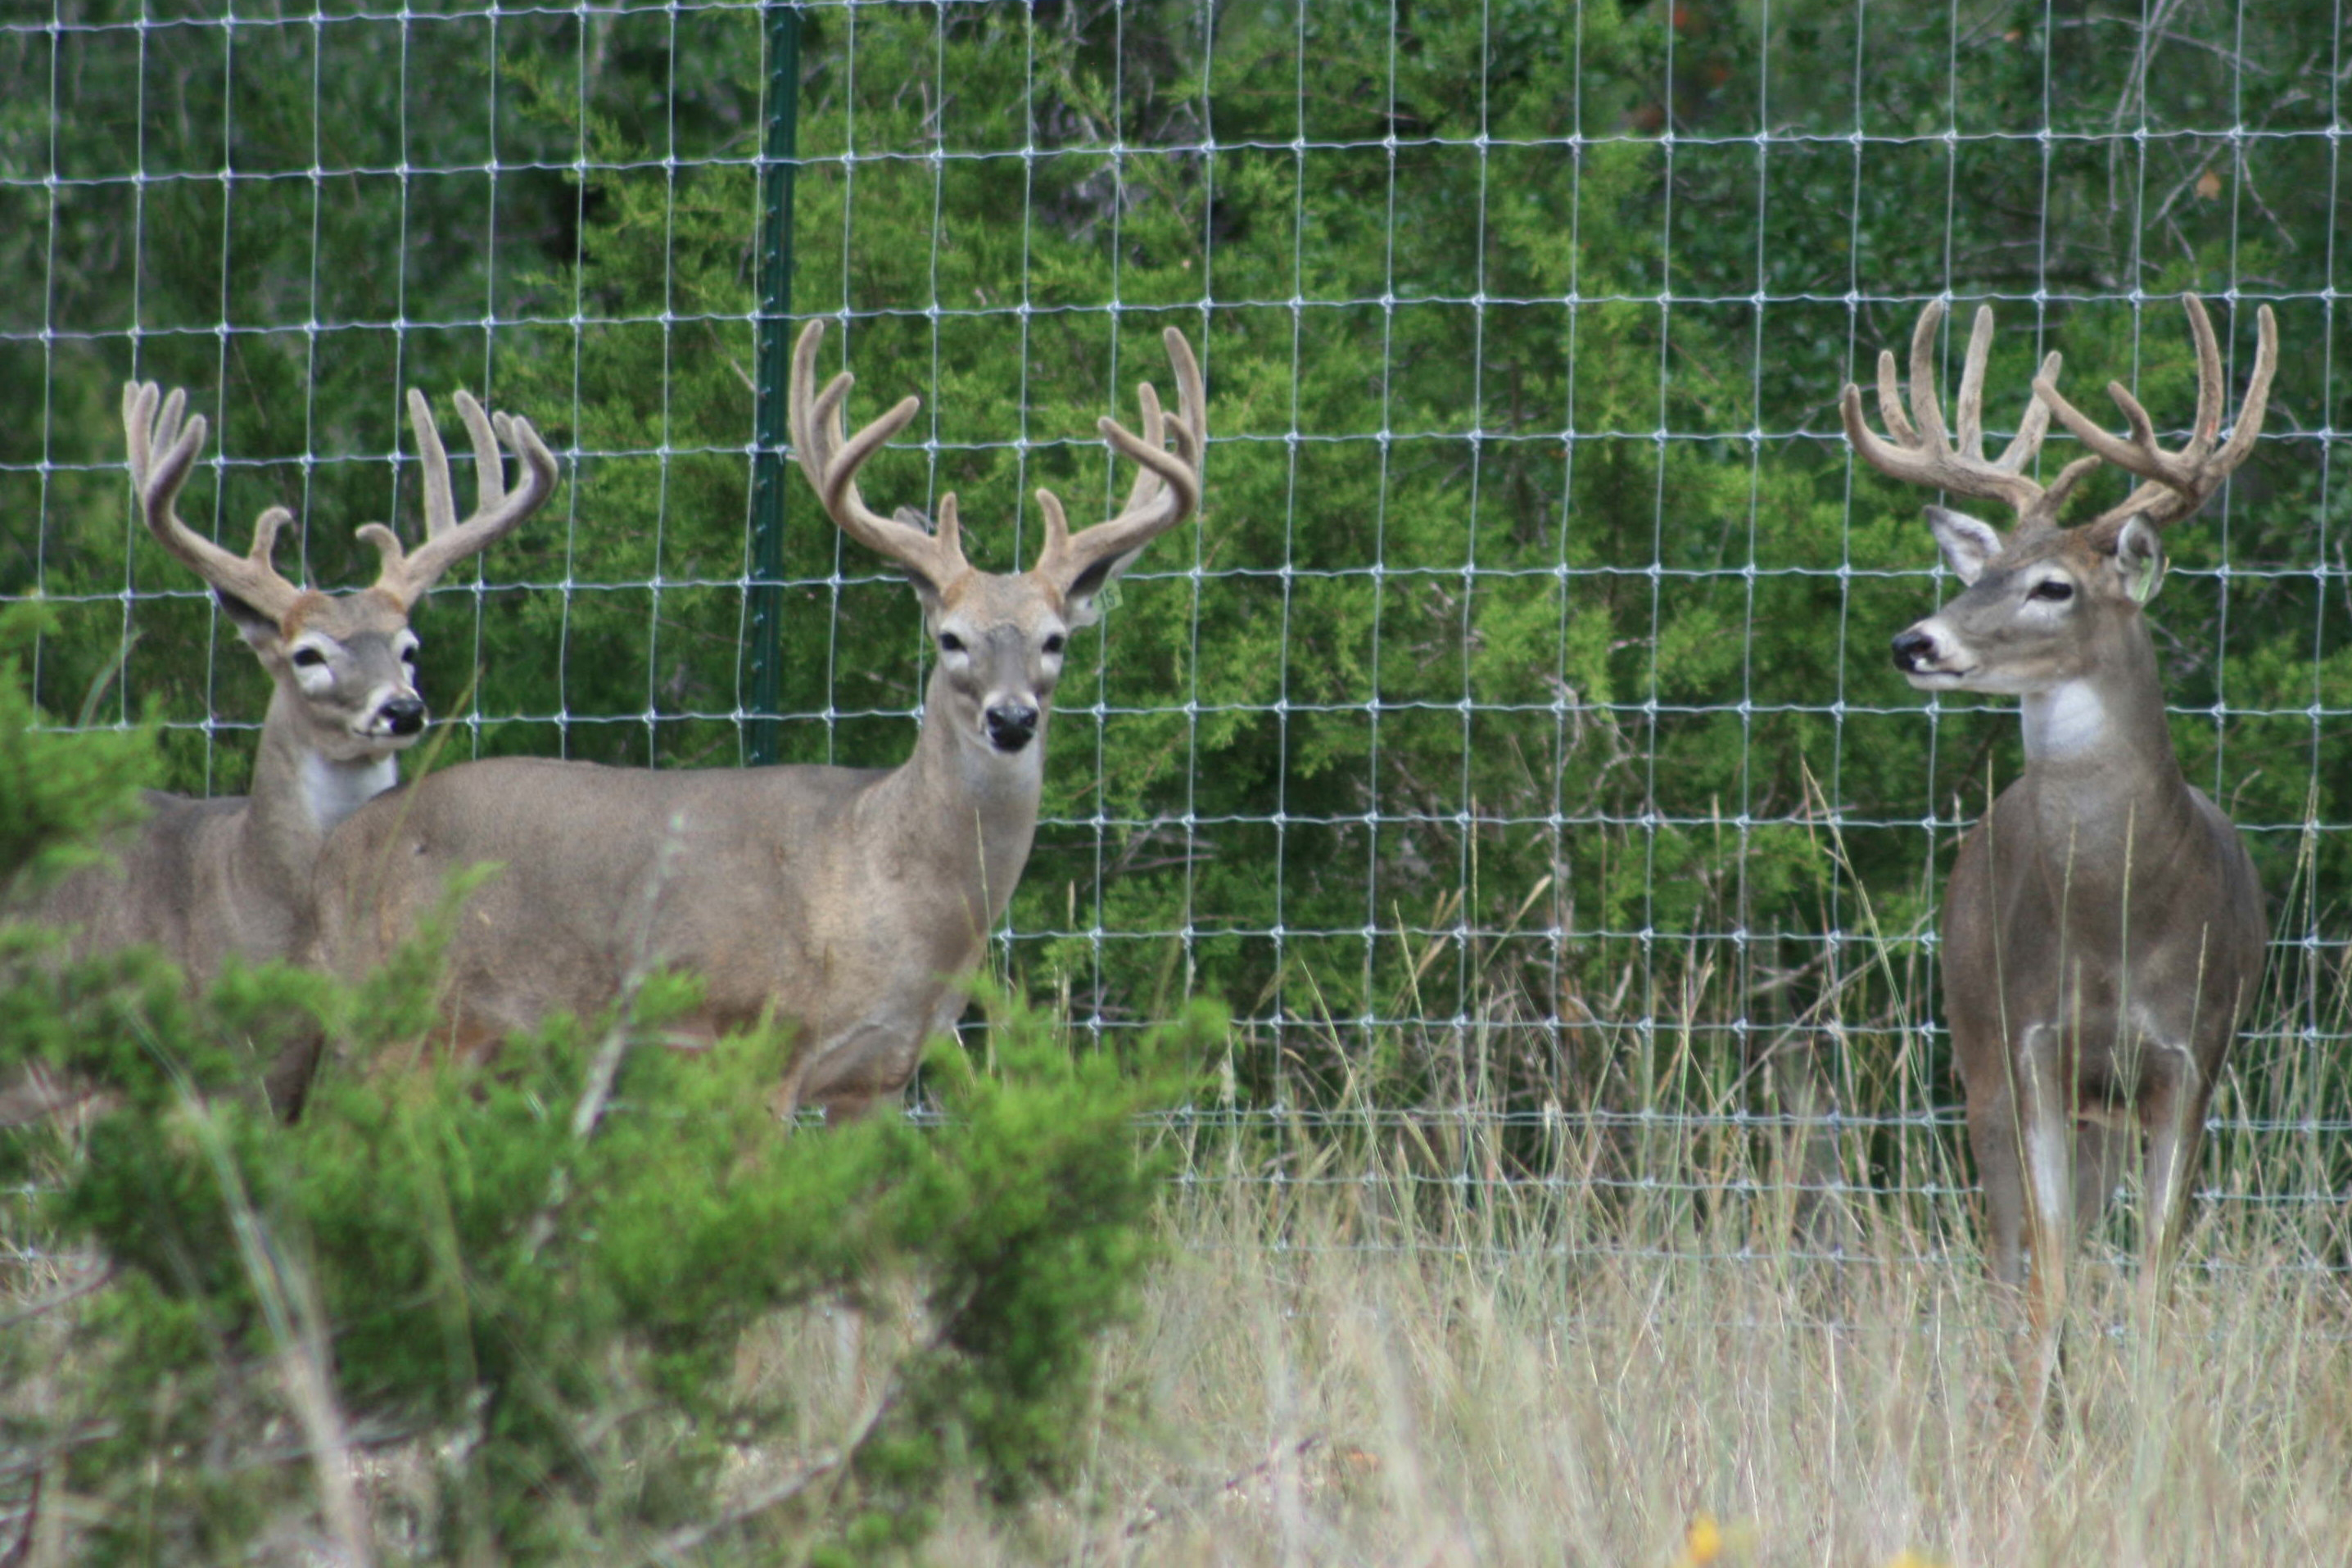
<point x="1909" y="1559"/>
<point x="1702" y="1543"/>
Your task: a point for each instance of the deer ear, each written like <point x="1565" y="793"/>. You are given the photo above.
<point x="1968" y="544"/>
<point x="2139" y="559"/>
<point x="1084" y="597"/>
<point x="260" y="631"/>
<point x="927" y="593"/>
<point x="925" y="589"/>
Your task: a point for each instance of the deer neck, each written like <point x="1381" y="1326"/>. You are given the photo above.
<point x="300" y="795"/>
<point x="984" y="803"/>
<point x="2100" y="771"/>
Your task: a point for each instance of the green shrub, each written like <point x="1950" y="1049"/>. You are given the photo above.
<point x="64" y="791"/>
<point x="533" y="1283"/>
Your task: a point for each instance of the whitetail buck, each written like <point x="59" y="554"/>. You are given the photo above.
<point x="207" y="878"/>
<point x="2103" y="929"/>
<point x="848" y="903"/>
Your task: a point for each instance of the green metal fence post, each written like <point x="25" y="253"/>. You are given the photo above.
<point x="779" y="147"/>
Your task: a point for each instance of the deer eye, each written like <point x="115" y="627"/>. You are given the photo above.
<point x="2055" y="588"/>
<point x="309" y="658"/>
<point x="1053" y="643"/>
<point x="408" y="655"/>
<point x="951" y="644"/>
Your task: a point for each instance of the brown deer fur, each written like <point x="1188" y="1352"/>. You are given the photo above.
<point x="848" y="903"/>
<point x="2103" y="930"/>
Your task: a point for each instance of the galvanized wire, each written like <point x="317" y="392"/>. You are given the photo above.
<point x="208" y="38"/>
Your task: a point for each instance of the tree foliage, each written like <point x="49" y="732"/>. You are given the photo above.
<point x="1535" y="596"/>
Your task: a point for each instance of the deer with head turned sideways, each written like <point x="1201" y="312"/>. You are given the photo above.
<point x="2103" y="928"/>
<point x="848" y="903"/>
<point x="203" y="878"/>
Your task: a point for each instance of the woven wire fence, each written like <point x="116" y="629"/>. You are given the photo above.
<point x="1512" y="740"/>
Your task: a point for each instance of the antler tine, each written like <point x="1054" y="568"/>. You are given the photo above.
<point x="1919" y="451"/>
<point x="2176" y="483"/>
<point x="1165" y="492"/>
<point x="1971" y="435"/>
<point x="1154" y="438"/>
<point x="409" y="575"/>
<point x="2034" y="426"/>
<point x="250" y="578"/>
<point x="831" y="460"/>
<point x="2257" y="405"/>
<point x="1890" y="398"/>
<point x="1926" y="412"/>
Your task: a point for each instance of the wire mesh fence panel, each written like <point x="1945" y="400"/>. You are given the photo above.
<point x="1514" y="732"/>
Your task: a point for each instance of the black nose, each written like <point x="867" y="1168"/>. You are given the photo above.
<point x="1913" y="649"/>
<point x="403" y="716"/>
<point x="1011" y="725"/>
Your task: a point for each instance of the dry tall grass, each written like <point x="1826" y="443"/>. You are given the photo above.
<point x="1560" y="1377"/>
<point x="1370" y="1349"/>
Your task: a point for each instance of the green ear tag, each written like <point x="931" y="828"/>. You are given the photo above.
<point x="1107" y="599"/>
<point x="2147" y="576"/>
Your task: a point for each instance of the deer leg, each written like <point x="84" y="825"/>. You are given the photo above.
<point x="848" y="1097"/>
<point x="2046" y="1136"/>
<point x="2172" y="1107"/>
<point x="286" y="1080"/>
<point x="784" y="1100"/>
<point x="842" y="1108"/>
<point x="1993" y="1139"/>
<point x="803" y="1083"/>
<point x="845" y="1073"/>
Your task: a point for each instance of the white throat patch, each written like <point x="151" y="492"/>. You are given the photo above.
<point x="333" y="791"/>
<point x="2065" y="721"/>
